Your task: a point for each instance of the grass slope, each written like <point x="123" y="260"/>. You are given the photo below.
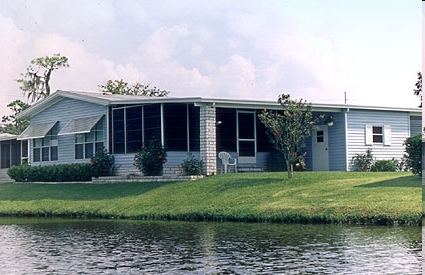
<point x="310" y="197"/>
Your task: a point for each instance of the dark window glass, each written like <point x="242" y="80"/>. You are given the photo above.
<point x="134" y="119"/>
<point x="152" y="117"/>
<point x="263" y="142"/>
<point x="36" y="154"/>
<point x="246" y="148"/>
<point x="194" y="133"/>
<point x="118" y="131"/>
<point x="246" y="125"/>
<point x="25" y="148"/>
<point x="79" y="151"/>
<point x="377" y="134"/>
<point x="5" y="154"/>
<point x="226" y="129"/>
<point x="45" y="154"/>
<point x="89" y="150"/>
<point x="320" y="137"/>
<point x="54" y="153"/>
<point x="175" y="127"/>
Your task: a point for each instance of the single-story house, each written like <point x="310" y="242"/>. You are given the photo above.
<point x="69" y="126"/>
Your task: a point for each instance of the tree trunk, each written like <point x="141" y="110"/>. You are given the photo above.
<point x="290" y="168"/>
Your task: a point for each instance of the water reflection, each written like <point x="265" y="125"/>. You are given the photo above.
<point x="135" y="247"/>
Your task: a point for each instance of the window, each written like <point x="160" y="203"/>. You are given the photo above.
<point x="87" y="144"/>
<point x="46" y="148"/>
<point x="378" y="135"/>
<point x="320" y="136"/>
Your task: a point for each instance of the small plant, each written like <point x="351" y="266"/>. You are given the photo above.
<point x="102" y="163"/>
<point x="298" y="161"/>
<point x="191" y="166"/>
<point x="385" y="166"/>
<point x="364" y="161"/>
<point x="151" y="158"/>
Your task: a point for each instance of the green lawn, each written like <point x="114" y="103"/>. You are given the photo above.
<point x="313" y="197"/>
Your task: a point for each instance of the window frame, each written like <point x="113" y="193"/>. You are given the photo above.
<point x="87" y="144"/>
<point x="46" y="148"/>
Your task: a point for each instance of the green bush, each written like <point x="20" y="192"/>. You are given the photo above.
<point x="191" y="166"/>
<point x="51" y="173"/>
<point x="385" y="166"/>
<point x="413" y="155"/>
<point x="102" y="163"/>
<point x="364" y="161"/>
<point x="151" y="158"/>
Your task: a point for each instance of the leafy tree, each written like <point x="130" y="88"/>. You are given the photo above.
<point x="12" y="125"/>
<point x="35" y="82"/>
<point x="289" y="129"/>
<point x="418" y="89"/>
<point x="124" y="88"/>
<point x="413" y="155"/>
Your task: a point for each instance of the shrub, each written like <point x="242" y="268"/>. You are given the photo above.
<point x="151" y="158"/>
<point x="364" y="161"/>
<point x="191" y="165"/>
<point x="102" y="163"/>
<point x="413" y="155"/>
<point x="51" y="173"/>
<point x="385" y="166"/>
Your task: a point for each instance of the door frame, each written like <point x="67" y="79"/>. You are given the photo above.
<point x="320" y="148"/>
<point x="246" y="159"/>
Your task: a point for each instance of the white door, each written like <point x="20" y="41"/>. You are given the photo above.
<point x="320" y="149"/>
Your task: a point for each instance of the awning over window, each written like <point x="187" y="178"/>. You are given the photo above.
<point x="80" y="125"/>
<point x="36" y="130"/>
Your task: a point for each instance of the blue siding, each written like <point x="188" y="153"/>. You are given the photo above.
<point x="63" y="111"/>
<point x="337" y="152"/>
<point x="356" y="136"/>
<point x="415" y="126"/>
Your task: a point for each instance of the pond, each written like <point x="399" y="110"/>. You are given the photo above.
<point x="54" y="246"/>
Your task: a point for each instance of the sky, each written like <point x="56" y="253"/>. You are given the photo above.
<point x="312" y="49"/>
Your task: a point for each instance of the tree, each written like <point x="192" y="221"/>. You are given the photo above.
<point x="413" y="155"/>
<point x="35" y="83"/>
<point x="124" y="88"/>
<point x="289" y="129"/>
<point x="12" y="125"/>
<point x="418" y="85"/>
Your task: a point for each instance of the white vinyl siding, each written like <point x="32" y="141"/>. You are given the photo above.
<point x="63" y="112"/>
<point x="378" y="134"/>
<point x="395" y="129"/>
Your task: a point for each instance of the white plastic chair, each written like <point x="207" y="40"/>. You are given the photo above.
<point x="225" y="157"/>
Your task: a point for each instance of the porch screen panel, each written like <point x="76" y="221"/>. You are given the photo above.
<point x="226" y="129"/>
<point x="194" y="133"/>
<point x="263" y="141"/>
<point x="134" y="119"/>
<point x="175" y="127"/>
<point x="118" y="131"/>
<point x="5" y="154"/>
<point x="15" y="152"/>
<point x="152" y="122"/>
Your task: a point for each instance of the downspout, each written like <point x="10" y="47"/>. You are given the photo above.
<point x="346" y="138"/>
<point x="162" y="124"/>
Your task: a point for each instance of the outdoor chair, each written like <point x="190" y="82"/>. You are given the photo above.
<point x="225" y="162"/>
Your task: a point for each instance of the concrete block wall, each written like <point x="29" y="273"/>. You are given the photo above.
<point x="208" y="152"/>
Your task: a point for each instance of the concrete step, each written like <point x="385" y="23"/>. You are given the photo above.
<point x="4" y="177"/>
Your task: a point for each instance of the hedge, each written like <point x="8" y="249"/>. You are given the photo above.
<point x="51" y="173"/>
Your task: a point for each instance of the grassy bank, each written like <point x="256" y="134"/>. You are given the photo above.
<point x="313" y="197"/>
